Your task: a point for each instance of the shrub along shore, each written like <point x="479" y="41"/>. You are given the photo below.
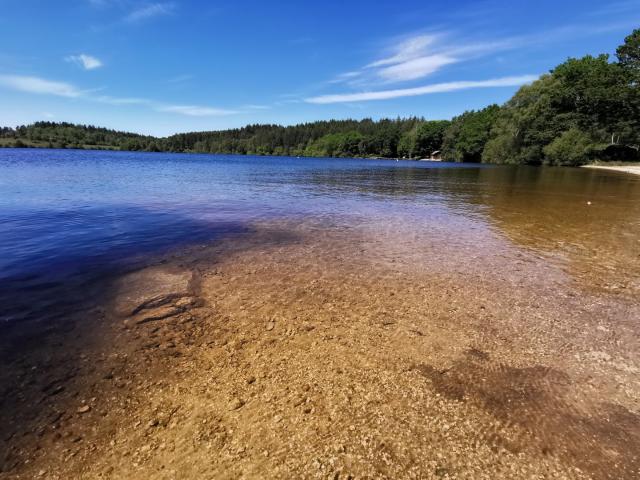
<point x="584" y="110"/>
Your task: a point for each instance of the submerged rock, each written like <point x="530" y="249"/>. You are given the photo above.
<point x="152" y="288"/>
<point x="159" y="313"/>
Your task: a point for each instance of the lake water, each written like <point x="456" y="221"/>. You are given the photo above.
<point x="69" y="216"/>
<point x="483" y="318"/>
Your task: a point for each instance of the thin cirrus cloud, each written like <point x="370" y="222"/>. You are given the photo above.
<point x="85" y="61"/>
<point x="409" y="59"/>
<point x="513" y="81"/>
<point x="180" y="78"/>
<point x="417" y="57"/>
<point x="150" y="11"/>
<point x="406" y="50"/>
<point x="345" y="77"/>
<point x="39" y="86"/>
<point x="253" y="106"/>
<point x="194" y="110"/>
<point x="420" y="55"/>
<point x="415" y="68"/>
<point x="42" y="86"/>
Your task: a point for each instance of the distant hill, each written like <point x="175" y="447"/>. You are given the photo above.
<point x="68" y="135"/>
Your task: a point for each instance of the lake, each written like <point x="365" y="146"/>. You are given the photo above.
<point x="392" y="317"/>
<point x="67" y="214"/>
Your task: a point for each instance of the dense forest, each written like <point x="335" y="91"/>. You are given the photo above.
<point x="68" y="135"/>
<point x="583" y="110"/>
<point x="411" y="137"/>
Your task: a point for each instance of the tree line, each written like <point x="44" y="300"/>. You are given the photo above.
<point x="69" y="135"/>
<point x="583" y="110"/>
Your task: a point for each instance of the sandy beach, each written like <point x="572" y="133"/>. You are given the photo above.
<point x="635" y="169"/>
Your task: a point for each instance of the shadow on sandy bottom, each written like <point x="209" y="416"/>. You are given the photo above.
<point x="58" y="349"/>
<point x="602" y="440"/>
<point x="47" y="256"/>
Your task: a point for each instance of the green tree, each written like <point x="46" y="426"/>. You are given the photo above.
<point x="572" y="147"/>
<point x="465" y="138"/>
<point x="407" y="144"/>
<point x="590" y="100"/>
<point x="629" y="52"/>
<point x="526" y="124"/>
<point x="429" y="137"/>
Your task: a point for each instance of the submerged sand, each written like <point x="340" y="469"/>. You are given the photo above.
<point x="307" y="352"/>
<point x="635" y="169"/>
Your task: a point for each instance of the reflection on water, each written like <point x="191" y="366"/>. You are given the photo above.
<point x="587" y="220"/>
<point x="65" y="214"/>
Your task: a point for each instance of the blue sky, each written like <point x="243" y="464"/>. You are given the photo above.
<point x="161" y="67"/>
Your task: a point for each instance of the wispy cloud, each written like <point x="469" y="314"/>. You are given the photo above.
<point x="180" y="78"/>
<point x="256" y="107"/>
<point x="417" y="56"/>
<point x="406" y="50"/>
<point x="343" y="77"/>
<point x="195" y="110"/>
<point x="121" y="100"/>
<point x="85" y="61"/>
<point x="39" y="86"/>
<point x="416" y="68"/>
<point x="424" y="90"/>
<point x="43" y="86"/>
<point x="150" y="11"/>
<point x="130" y="12"/>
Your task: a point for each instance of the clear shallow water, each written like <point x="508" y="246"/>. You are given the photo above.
<point x="59" y="207"/>
<point x="66" y="215"/>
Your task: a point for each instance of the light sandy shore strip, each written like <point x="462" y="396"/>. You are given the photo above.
<point x="635" y="169"/>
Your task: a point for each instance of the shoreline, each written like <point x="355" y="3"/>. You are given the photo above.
<point x="632" y="169"/>
<point x="105" y="148"/>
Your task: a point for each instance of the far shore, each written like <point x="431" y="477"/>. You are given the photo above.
<point x="635" y="169"/>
